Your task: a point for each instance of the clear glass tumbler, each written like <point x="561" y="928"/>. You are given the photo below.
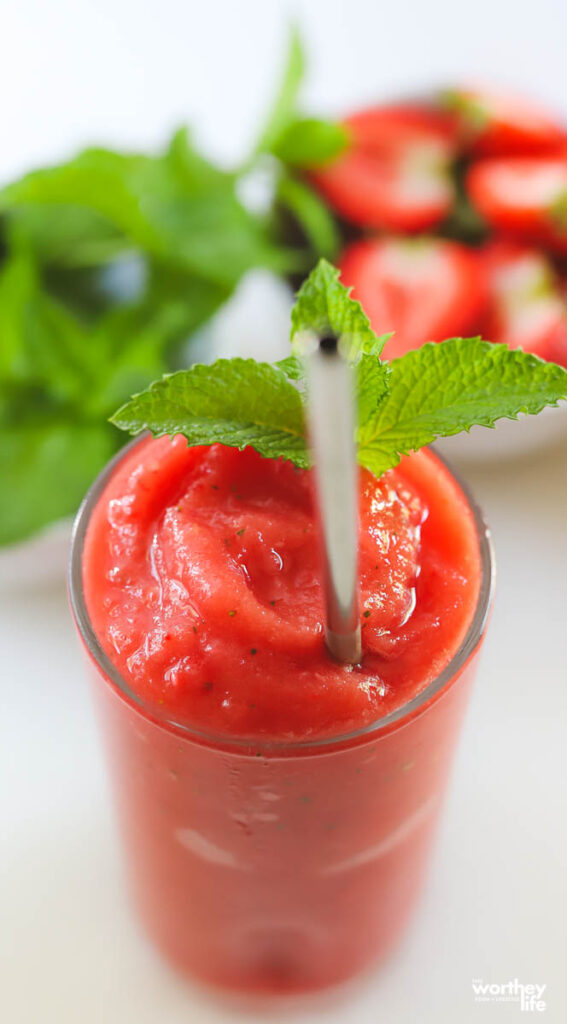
<point x="273" y="867"/>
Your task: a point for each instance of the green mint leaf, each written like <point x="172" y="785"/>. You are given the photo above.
<point x="61" y="377"/>
<point x="197" y="174"/>
<point x="236" y="402"/>
<point x="292" y="367"/>
<point x="284" y="106"/>
<point x="312" y="215"/>
<point x="41" y="343"/>
<point x="176" y="208"/>
<point x="66" y="236"/>
<point x="100" y="180"/>
<point x="310" y="142"/>
<point x="372" y="384"/>
<point x="324" y="305"/>
<point x="45" y="468"/>
<point x="181" y="298"/>
<point x="441" y="389"/>
<point x="132" y="345"/>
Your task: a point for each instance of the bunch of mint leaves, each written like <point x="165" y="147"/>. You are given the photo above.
<point x="435" y="391"/>
<point x="108" y="265"/>
<point x="292" y="144"/>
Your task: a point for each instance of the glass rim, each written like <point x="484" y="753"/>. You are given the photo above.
<point x="466" y="649"/>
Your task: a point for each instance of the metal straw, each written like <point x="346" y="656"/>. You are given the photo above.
<point x="331" y="420"/>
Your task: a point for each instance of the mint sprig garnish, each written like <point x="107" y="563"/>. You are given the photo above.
<point x="444" y="388"/>
<point x="324" y="305"/>
<point x="435" y="391"/>
<point x="236" y="402"/>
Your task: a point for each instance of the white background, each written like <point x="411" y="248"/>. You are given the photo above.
<point x="124" y="73"/>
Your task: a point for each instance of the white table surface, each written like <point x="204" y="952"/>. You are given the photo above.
<point x="125" y="73"/>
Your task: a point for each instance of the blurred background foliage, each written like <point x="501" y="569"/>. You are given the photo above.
<point x="109" y="264"/>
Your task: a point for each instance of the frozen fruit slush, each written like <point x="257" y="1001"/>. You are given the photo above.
<point x="277" y="806"/>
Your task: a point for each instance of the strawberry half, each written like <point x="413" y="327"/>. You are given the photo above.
<point x="494" y="123"/>
<point x="525" y="307"/>
<point x="424" y="289"/>
<point x="395" y="174"/>
<point x="525" y="196"/>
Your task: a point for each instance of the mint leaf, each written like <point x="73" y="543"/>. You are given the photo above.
<point x="298" y="141"/>
<point x="310" y="142"/>
<point x="236" y="402"/>
<point x="311" y="213"/>
<point x="292" y="367"/>
<point x="176" y="208"/>
<point x="372" y="383"/>
<point x="45" y="468"/>
<point x="131" y="343"/>
<point x="180" y="298"/>
<point x="284" y="106"/>
<point x="60" y="378"/>
<point x="66" y="235"/>
<point x="41" y="343"/>
<point x="109" y="183"/>
<point x="197" y="174"/>
<point x="324" y="305"/>
<point x="441" y="389"/>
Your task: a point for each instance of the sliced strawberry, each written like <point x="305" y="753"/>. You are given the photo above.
<point x="525" y="307"/>
<point x="395" y="174"/>
<point x="494" y="123"/>
<point x="424" y="289"/>
<point x="525" y="196"/>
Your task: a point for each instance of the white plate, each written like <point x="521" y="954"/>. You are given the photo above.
<point x="510" y="439"/>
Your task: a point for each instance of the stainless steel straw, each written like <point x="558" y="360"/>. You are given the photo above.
<point x="331" y="423"/>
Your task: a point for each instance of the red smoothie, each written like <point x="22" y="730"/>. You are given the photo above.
<point x="277" y="806"/>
